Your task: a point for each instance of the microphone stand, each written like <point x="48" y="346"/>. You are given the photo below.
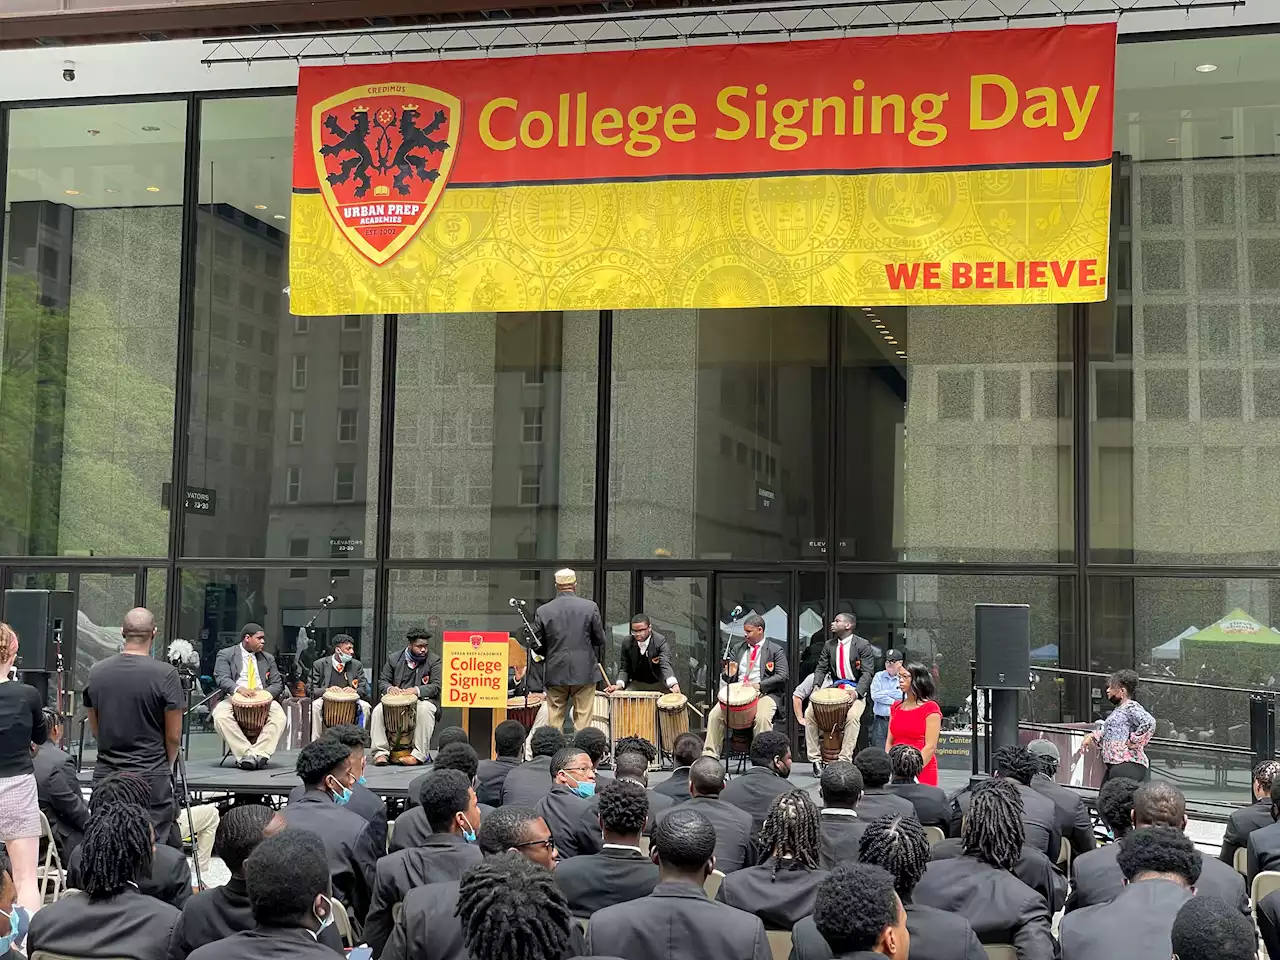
<point x="535" y="642"/>
<point x="725" y="660"/>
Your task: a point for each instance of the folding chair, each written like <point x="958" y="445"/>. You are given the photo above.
<point x="712" y="885"/>
<point x="935" y="835"/>
<point x="1268" y="881"/>
<point x="1000" y="951"/>
<point x="343" y="922"/>
<point x="50" y="872"/>
<point x="779" y="943"/>
<point x="1241" y="861"/>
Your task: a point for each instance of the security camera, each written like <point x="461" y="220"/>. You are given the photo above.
<point x="68" y="70"/>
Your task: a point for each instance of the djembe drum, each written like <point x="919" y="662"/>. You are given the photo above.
<point x="251" y="710"/>
<point x="399" y="717"/>
<point x="830" y="707"/>
<point x="635" y="714"/>
<point x="739" y="702"/>
<point x="339" y="707"/>
<point x="525" y="709"/>
<point x="600" y="712"/>
<point x="673" y="719"/>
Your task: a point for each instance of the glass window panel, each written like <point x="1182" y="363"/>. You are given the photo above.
<point x="88" y="328"/>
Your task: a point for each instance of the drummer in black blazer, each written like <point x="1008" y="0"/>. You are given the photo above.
<point x="247" y="666"/>
<point x="932" y="808"/>
<point x="757" y="662"/>
<point x="645" y="662"/>
<point x="341" y="669"/>
<point x="414" y="669"/>
<point x="850" y="660"/>
<point x="754" y="791"/>
<point x="620" y="871"/>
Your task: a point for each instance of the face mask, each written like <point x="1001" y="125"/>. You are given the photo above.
<point x="362" y="781"/>
<point x="325" y="920"/>
<point x="344" y="658"/>
<point x="467" y="833"/>
<point x="586" y="789"/>
<point x="343" y="798"/>
<point x="413" y="658"/>
<point x="1115" y="700"/>
<point x="15" y="930"/>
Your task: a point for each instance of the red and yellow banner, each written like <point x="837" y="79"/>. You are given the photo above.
<point x="970" y="167"/>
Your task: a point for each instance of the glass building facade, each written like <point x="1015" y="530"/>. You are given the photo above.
<point x="171" y="435"/>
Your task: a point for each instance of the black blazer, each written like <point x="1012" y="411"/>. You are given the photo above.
<point x="677" y="922"/>
<point x="130" y="924"/>
<point x="348" y="844"/>
<point x="490" y="776"/>
<point x="268" y="943"/>
<point x="1033" y="868"/>
<point x="1269" y="922"/>
<point x="654" y="667"/>
<point x="1096" y="879"/>
<point x="773" y="670"/>
<point x="528" y="783"/>
<point x="396" y="672"/>
<point x="412" y="828"/>
<point x="226" y="670"/>
<point x="883" y="802"/>
<point x="1074" y="823"/>
<point x="1039" y="819"/>
<point x="440" y="858"/>
<point x="935" y="935"/>
<point x="219" y="912"/>
<point x="1263" y="846"/>
<point x="779" y="898"/>
<point x="569" y="817"/>
<point x="169" y="880"/>
<point x="999" y="906"/>
<point x="1135" y="925"/>
<point x="572" y="635"/>
<point x="364" y="802"/>
<point x="932" y="809"/>
<point x="675" y="786"/>
<point x="838" y="838"/>
<point x="323" y="676"/>
<point x="735" y="844"/>
<point x="864" y="663"/>
<point x="60" y="797"/>
<point x="600" y="880"/>
<point x="754" y="793"/>
<point x="1239" y="825"/>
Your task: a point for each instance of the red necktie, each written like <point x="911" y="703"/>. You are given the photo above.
<point x="752" y="662"/>
<point x="844" y="673"/>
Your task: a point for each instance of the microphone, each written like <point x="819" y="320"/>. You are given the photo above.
<point x="735" y="612"/>
<point x="325" y="601"/>
<point x="513" y="602"/>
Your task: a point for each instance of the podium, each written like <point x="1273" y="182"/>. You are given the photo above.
<point x="481" y="722"/>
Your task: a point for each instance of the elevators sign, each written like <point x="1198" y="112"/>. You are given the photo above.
<point x="475" y="669"/>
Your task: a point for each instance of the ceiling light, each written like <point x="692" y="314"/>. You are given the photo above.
<point x="93" y="133"/>
<point x="259" y="206"/>
<point x="866" y="309"/>
<point x="902" y="353"/>
<point x="157" y="129"/>
<point x="1172" y="140"/>
<point x="72" y="193"/>
<point x="281" y="216"/>
<point x="153" y="189"/>
<point x="1206" y="68"/>
<point x="1226" y="136"/>
<point x="112" y="190"/>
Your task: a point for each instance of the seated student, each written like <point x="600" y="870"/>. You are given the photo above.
<point x="596" y="744"/>
<point x="508" y="743"/>
<point x="59" y="788"/>
<point x="677" y="919"/>
<point x="634" y="767"/>
<point x="110" y="916"/>
<point x="531" y="781"/>
<point x="980" y="885"/>
<point x="1242" y="822"/>
<point x="1039" y="813"/>
<point x="14" y="919"/>
<point x="444" y="737"/>
<point x="239" y="668"/>
<point x="1208" y="929"/>
<point x="877" y="799"/>
<point x="1263" y="844"/>
<point x="1089" y="870"/>
<point x="325" y="769"/>
<point x="414" y="669"/>
<point x="1033" y="868"/>
<point x="565" y="807"/>
<point x="449" y="804"/>
<point x="511" y="909"/>
<point x="288" y="883"/>
<point x="168" y="877"/>
<point x="687" y="749"/>
<point x="1074" y="822"/>
<point x="735" y="844"/>
<point x="412" y="826"/>
<point x="1160" y="867"/>
<point x="766" y="780"/>
<point x="342" y="669"/>
<point x="781" y="888"/>
<point x="839" y="824"/>
<point x="932" y="809"/>
<point x="363" y="800"/>
<point x="218" y="912"/>
<point x="621" y="871"/>
<point x="859" y="914"/>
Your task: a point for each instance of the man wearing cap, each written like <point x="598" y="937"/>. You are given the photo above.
<point x="572" y="636"/>
<point x="1072" y="818"/>
<point x="885" y="692"/>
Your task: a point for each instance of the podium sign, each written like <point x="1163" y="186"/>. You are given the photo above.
<point x="475" y="669"/>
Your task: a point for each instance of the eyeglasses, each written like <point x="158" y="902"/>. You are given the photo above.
<point x="576" y="770"/>
<point x="547" y="844"/>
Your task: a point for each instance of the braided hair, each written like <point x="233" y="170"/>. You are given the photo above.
<point x="118" y="788"/>
<point x="791" y="829"/>
<point x="992" y="830"/>
<point x="1015" y="760"/>
<point x="905" y="761"/>
<point x="899" y="845"/>
<point x="116" y="850"/>
<point x="636" y="745"/>
<point x="511" y="909"/>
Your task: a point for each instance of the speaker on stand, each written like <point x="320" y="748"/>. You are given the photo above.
<point x="1002" y="652"/>
<point x="45" y="622"/>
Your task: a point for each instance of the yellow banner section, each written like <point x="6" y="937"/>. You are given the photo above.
<point x="1028" y="235"/>
<point x="475" y="669"/>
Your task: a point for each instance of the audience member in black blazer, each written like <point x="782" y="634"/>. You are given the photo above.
<point x="755" y="790"/>
<point x="877" y="799"/>
<point x="594" y="742"/>
<point x="509" y="907"/>
<point x="980" y="885"/>
<point x="677" y="921"/>
<point x="1269" y="922"/>
<point x="621" y="871"/>
<point x="861" y="917"/>
<point x="363" y="800"/>
<point x="1033" y="868"/>
<point x="840" y="826"/>
<point x="508" y="743"/>
<point x="412" y="827"/>
<point x="932" y="809"/>
<point x="1160" y="867"/>
<point x="528" y="783"/>
<point x="735" y="843"/>
<point x="566" y="807"/>
<point x="1074" y="822"/>
<point x="782" y="887"/>
<point x="1263" y="844"/>
<point x="1241" y="823"/>
<point x="288" y="884"/>
<point x="1039" y="813"/>
<point x="110" y="916"/>
<point x="1090" y="870"/>
<point x="635" y="768"/>
<point x="898" y="845"/>
<point x="449" y="804"/>
<point x="59" y="788"/>
<point x="688" y="748"/>
<point x="443" y="736"/>
<point x="1208" y="929"/>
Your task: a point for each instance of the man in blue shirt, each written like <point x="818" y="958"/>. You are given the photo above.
<point x="884" y="694"/>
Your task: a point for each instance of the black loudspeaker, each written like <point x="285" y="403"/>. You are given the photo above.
<point x="1002" y="641"/>
<point x="39" y="617"/>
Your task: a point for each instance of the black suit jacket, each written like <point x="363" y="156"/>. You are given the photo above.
<point x="677" y="922"/>
<point x="348" y="844"/>
<point x="364" y="802"/>
<point x="675" y="786"/>
<point x="883" y="802"/>
<point x="1135" y="925"/>
<point x="441" y="857"/>
<point x="654" y="667"/>
<point x="490" y="776"/>
<point x="1039" y="819"/>
<point x="772" y="661"/>
<point x="1096" y="879"/>
<point x="397" y="672"/>
<point x="323" y="676"/>
<point x="864" y="665"/>
<point x="169" y="880"/>
<point x="60" y="797"/>
<point x="600" y="880"/>
<point x="569" y="817"/>
<point x="754" y="793"/>
<point x="130" y="924"/>
<point x="412" y="828"/>
<point x="1074" y="823"/>
<point x="838" y="838"/>
<point x="1033" y="868"/>
<point x="999" y="907"/>
<point x="935" y="935"/>
<point x="572" y="639"/>
<point x="226" y="670"/>
<point x="778" y="897"/>
<point x="1239" y="825"/>
<point x="219" y="912"/>
<point x="735" y="843"/>
<point x="528" y="783"/>
<point x="268" y="943"/>
<point x="1263" y="846"/>
<point x="932" y="808"/>
<point x="1269" y="922"/>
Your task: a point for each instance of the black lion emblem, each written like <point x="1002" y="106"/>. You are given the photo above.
<point x="413" y="138"/>
<point x="354" y="141"/>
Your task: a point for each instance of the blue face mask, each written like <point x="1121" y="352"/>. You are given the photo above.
<point x="586" y="789"/>
<point x="344" y="658"/>
<point x="18" y="919"/>
<point x="362" y="781"/>
<point x="343" y="798"/>
<point x="467" y="833"/>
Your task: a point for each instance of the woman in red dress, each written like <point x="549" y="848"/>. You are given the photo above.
<point x="916" y="720"/>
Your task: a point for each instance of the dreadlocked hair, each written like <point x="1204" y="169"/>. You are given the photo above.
<point x="116" y="850"/>
<point x="118" y="788"/>
<point x="791" y="829"/>
<point x="899" y="845"/>
<point x="635" y="745"/>
<point x="511" y="909"/>
<point x="905" y="761"/>
<point x="992" y="830"/>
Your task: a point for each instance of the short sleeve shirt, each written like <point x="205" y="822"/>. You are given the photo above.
<point x="132" y="694"/>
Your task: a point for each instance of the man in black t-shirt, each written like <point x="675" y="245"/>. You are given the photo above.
<point x="135" y="711"/>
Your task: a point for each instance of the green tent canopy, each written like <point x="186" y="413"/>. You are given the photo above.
<point x="1236" y="627"/>
<point x="1236" y="642"/>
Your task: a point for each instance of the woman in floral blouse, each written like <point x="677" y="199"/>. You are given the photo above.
<point x="1123" y="735"/>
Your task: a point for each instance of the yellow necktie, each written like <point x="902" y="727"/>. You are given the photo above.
<point x="253" y="673"/>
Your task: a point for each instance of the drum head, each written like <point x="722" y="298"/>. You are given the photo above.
<point x="253" y="698"/>
<point x="833" y="695"/>
<point x="399" y="699"/>
<point x="672" y="701"/>
<point x="340" y="694"/>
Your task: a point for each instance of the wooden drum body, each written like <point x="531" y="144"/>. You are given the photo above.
<point x="830" y="707"/>
<point x="251" y="711"/>
<point x="673" y="719"/>
<point x="635" y="714"/>
<point x="739" y="704"/>
<point x="339" y="707"/>
<point x="399" y="717"/>
<point x="600" y="712"/>
<point x="524" y="709"/>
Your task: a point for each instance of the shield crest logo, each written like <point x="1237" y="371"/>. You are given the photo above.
<point x="383" y="153"/>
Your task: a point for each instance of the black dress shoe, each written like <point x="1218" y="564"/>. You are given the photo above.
<point x="817" y="770"/>
<point x="247" y="763"/>
<point x="262" y="763"/>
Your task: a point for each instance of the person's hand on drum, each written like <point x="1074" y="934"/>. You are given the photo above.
<point x="731" y="668"/>
<point x="242" y="691"/>
<point x="392" y="691"/>
<point x="753" y="684"/>
<point x="675" y="688"/>
<point x="611" y="688"/>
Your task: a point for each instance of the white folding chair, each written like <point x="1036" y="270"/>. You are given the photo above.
<point x="1268" y="881"/>
<point x="1000" y="951"/>
<point x="935" y="835"/>
<point x="50" y="873"/>
<point x="343" y="922"/>
<point x="712" y="884"/>
<point x="1241" y="861"/>
<point x="779" y="943"/>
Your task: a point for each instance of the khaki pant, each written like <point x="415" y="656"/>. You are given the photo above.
<point x="539" y="721"/>
<point x="199" y="830"/>
<point x="583" y="697"/>
<point x="423" y="726"/>
<point x="317" y="716"/>
<point x="765" y="709"/>
<point x="224" y="722"/>
<point x="813" y="736"/>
